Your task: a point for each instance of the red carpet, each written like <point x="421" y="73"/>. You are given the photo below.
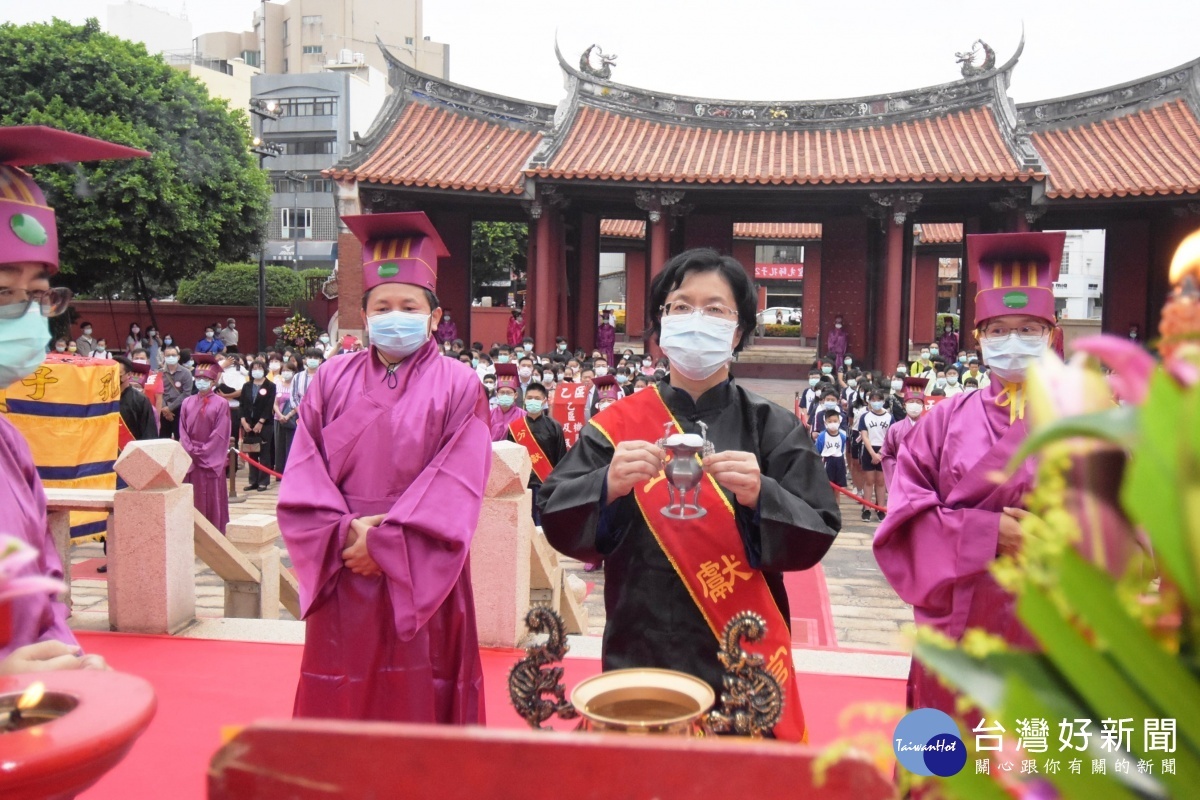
<point x="86" y="570"/>
<point x="812" y="619"/>
<point x="205" y="685"/>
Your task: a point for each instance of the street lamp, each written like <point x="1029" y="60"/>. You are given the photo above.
<point x="264" y="109"/>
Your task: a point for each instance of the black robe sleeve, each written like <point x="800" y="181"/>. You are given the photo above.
<point x="571" y="499"/>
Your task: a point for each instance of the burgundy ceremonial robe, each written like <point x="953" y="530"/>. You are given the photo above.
<point x="943" y="524"/>
<point x="204" y="434"/>
<point x="446" y="331"/>
<point x="948" y="346"/>
<point x="414" y="446"/>
<point x="895" y="436"/>
<point x="516" y="332"/>
<point x="35" y="617"/>
<point x="837" y="344"/>
<point x="501" y="419"/>
<point x="606" y="337"/>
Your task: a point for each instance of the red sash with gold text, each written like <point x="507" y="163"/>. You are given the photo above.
<point x="707" y="553"/>
<point x="523" y="436"/>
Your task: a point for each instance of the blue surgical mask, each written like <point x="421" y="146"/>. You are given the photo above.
<point x="203" y="384"/>
<point x="475" y="362"/>
<point x="501" y="359"/>
<point x="813" y="381"/>
<point x="876" y="406"/>
<point x="533" y="406"/>
<point x="826" y="370"/>
<point x="622" y="379"/>
<point x="505" y="400"/>
<point x="398" y="334"/>
<point x="22" y="344"/>
<point x="171" y="360"/>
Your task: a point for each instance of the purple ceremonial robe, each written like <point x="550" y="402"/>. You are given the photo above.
<point x="895" y="436"/>
<point x="943" y="523"/>
<point x="837" y="343"/>
<point x="501" y="419"/>
<point x="606" y="337"/>
<point x="446" y="331"/>
<point x="400" y="646"/>
<point x="204" y="434"/>
<point x="35" y="617"/>
<point x="948" y="346"/>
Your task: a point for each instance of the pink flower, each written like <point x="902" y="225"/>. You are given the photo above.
<point x="15" y="555"/>
<point x="1130" y="364"/>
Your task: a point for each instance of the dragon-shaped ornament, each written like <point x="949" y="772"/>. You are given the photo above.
<point x="967" y="59"/>
<point x="604" y="71"/>
<point x="536" y="688"/>
<point x="752" y="702"/>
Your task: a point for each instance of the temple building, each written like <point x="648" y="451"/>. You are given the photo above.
<point x="878" y="190"/>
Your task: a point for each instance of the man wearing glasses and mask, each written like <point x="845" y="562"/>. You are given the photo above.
<point x="671" y="584"/>
<point x="28" y="259"/>
<point x="948" y="518"/>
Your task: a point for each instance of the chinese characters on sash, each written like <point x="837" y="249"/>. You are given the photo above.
<point x="570" y="400"/>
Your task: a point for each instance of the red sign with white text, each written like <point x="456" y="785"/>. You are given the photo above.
<point x="568" y="408"/>
<point x="779" y="272"/>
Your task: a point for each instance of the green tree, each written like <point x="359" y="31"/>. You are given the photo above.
<point x="237" y="285"/>
<point x="133" y="228"/>
<point x="498" y="253"/>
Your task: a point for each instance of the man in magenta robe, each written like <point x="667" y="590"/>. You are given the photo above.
<point x="508" y="401"/>
<point x="384" y="485"/>
<point x="204" y="433"/>
<point x="447" y="330"/>
<point x="606" y="336"/>
<point x="837" y="344"/>
<point x="516" y="328"/>
<point x="948" y="343"/>
<point x="948" y="517"/>
<point x="897" y="432"/>
<point x="28" y="259"/>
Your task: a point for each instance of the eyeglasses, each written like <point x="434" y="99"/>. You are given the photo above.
<point x="52" y="301"/>
<point x="682" y="309"/>
<point x="1026" y="333"/>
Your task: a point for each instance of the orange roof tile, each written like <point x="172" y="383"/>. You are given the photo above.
<point x="435" y="147"/>
<point x="776" y="230"/>
<point x="1156" y="151"/>
<point x="960" y="146"/>
<point x="941" y="232"/>
<point x="623" y="228"/>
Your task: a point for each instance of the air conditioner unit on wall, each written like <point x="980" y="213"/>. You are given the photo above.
<point x="346" y="56"/>
<point x="360" y="58"/>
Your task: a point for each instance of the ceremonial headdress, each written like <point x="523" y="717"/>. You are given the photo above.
<point x="506" y="376"/>
<point x="914" y="388"/>
<point x="28" y="230"/>
<point x="607" y="388"/>
<point x="398" y="248"/>
<point x="207" y="366"/>
<point x="1015" y="273"/>
<point x="140" y="371"/>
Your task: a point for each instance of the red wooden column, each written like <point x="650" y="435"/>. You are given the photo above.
<point x="924" y="299"/>
<point x="966" y="328"/>
<point x="843" y="283"/>
<point x="350" y="283"/>
<point x="562" y="323"/>
<point x="635" y="293"/>
<point x="542" y="292"/>
<point x="454" y="272"/>
<point x="813" y="316"/>
<point x="1126" y="277"/>
<point x="888" y="345"/>
<point x="587" y="314"/>
<point x="658" y="237"/>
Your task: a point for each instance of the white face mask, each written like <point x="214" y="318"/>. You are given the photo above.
<point x="1009" y="358"/>
<point x="913" y="409"/>
<point x="832" y="427"/>
<point x="697" y="345"/>
<point x="256" y="374"/>
<point x="601" y="371"/>
<point x="525" y="373"/>
<point x="852" y="382"/>
<point x="286" y="375"/>
<point x="897" y="385"/>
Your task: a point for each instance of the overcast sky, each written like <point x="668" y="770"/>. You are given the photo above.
<point x="766" y="49"/>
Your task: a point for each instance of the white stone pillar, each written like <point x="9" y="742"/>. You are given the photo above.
<point x="500" y="552"/>
<point x="255" y="536"/>
<point x="151" y="555"/>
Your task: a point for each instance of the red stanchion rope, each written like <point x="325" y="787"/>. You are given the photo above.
<point x="254" y="463"/>
<point x="860" y="500"/>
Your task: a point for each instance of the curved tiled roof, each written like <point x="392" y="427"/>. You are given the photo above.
<point x="437" y="147"/>
<point x="623" y="228"/>
<point x="962" y="146"/>
<point x="941" y="233"/>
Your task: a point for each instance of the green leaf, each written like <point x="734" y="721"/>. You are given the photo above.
<point x="1151" y="494"/>
<point x="1118" y="425"/>
<point x="1156" y="674"/>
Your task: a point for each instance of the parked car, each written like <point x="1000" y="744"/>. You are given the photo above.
<point x="618" y="310"/>
<point x="771" y="316"/>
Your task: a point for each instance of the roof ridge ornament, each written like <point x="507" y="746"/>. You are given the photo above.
<point x="967" y="59"/>
<point x="607" y="61"/>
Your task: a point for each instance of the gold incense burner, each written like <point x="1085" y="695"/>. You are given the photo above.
<point x="648" y="701"/>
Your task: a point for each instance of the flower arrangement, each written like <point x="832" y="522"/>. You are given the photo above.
<point x="1108" y="576"/>
<point x="299" y="330"/>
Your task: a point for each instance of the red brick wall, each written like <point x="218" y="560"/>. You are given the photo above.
<point x="183" y="322"/>
<point x="843" y="287"/>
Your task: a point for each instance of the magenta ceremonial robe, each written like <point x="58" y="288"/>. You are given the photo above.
<point x="400" y="646"/>
<point x="895" y="436"/>
<point x="606" y="337"/>
<point x="836" y="344"/>
<point x="943" y="523"/>
<point x="204" y="434"/>
<point x="948" y="346"/>
<point x="501" y="419"/>
<point x="516" y="332"/>
<point x="35" y="617"/>
<point x="446" y="331"/>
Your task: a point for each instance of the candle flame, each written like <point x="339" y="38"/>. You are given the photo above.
<point x="31" y="696"/>
<point x="1187" y="259"/>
